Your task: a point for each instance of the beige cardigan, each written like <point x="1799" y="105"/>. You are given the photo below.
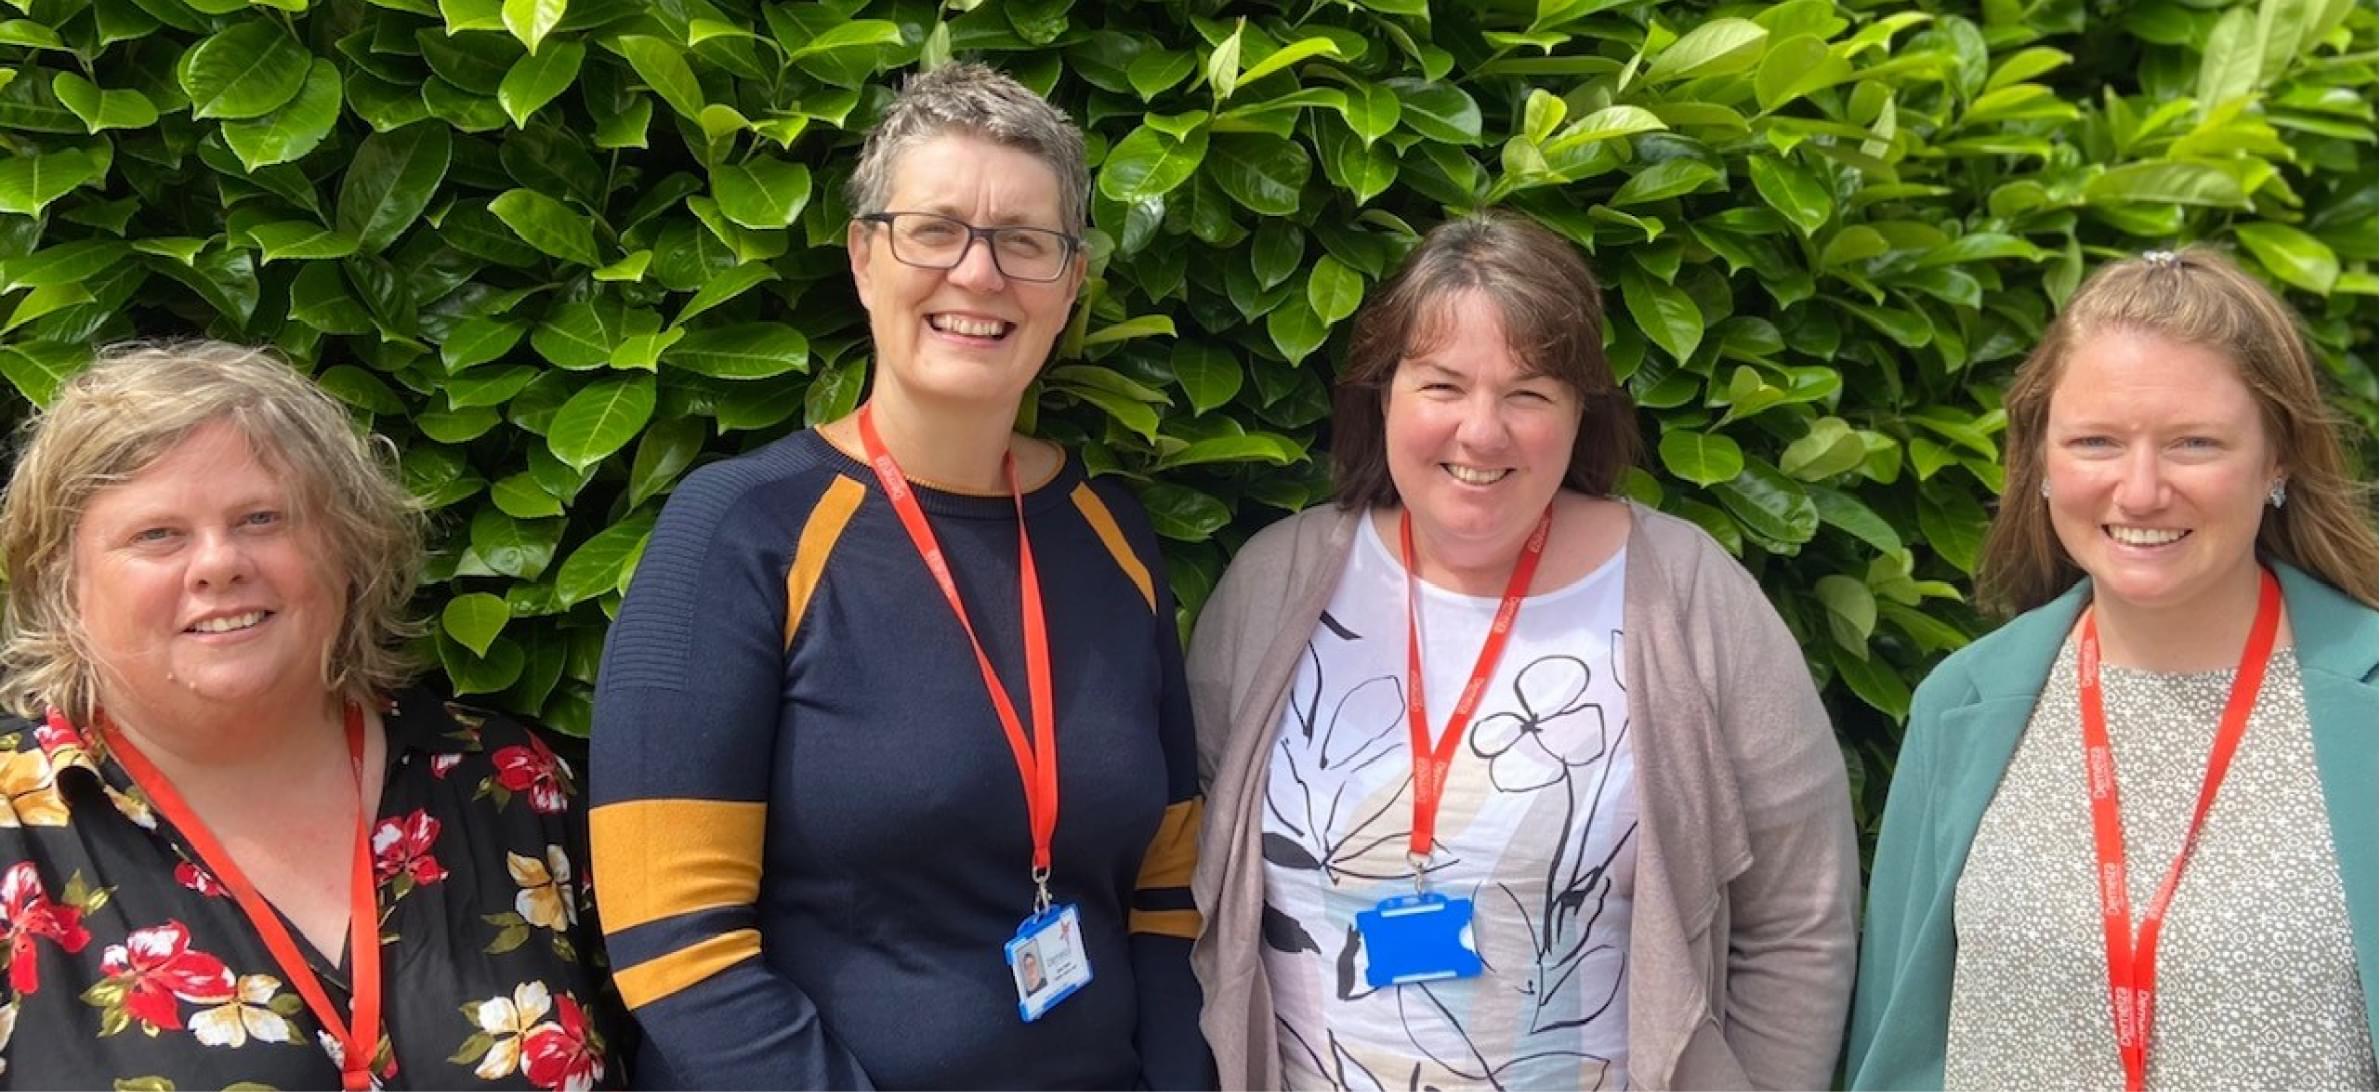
<point x="1747" y="873"/>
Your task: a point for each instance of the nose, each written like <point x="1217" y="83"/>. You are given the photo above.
<point x="218" y="560"/>
<point x="2142" y="487"/>
<point x="1482" y="427"/>
<point x="977" y="271"/>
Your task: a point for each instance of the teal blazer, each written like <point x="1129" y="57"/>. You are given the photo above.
<point x="1963" y="730"/>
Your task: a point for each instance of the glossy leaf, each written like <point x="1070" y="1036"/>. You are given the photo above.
<point x="549" y="225"/>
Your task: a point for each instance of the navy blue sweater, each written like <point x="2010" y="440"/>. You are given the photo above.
<point x="809" y="837"/>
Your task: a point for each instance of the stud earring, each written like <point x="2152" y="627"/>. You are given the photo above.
<point x="2280" y="494"/>
<point x="2045" y="489"/>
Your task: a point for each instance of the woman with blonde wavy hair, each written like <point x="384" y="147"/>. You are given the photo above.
<point x="2131" y="835"/>
<point x="225" y="822"/>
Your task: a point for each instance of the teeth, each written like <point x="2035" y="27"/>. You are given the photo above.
<point x="2143" y="536"/>
<point x="1475" y="476"/>
<point x="970" y="327"/>
<point x="230" y="623"/>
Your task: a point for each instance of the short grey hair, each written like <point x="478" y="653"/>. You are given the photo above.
<point x="134" y="405"/>
<point x="980" y="101"/>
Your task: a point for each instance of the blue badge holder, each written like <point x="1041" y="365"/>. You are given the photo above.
<point x="1417" y="938"/>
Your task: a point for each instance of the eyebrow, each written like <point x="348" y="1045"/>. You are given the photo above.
<point x="1002" y="220"/>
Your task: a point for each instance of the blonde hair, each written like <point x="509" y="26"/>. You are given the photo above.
<point x="2197" y="297"/>
<point x="131" y="407"/>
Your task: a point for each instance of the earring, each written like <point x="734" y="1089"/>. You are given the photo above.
<point x="2045" y="489"/>
<point x="2280" y="494"/>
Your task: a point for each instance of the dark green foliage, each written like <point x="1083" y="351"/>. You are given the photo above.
<point x="561" y="250"/>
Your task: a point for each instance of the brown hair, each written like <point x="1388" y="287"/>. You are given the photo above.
<point x="1553" y="322"/>
<point x="2197" y="297"/>
<point x="131" y="407"/>
<point x="980" y="101"/>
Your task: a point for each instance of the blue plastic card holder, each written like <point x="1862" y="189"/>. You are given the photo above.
<point x="1047" y="961"/>
<point x="1417" y="938"/>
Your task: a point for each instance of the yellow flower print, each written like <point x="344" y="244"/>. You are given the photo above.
<point x="545" y="897"/>
<point x="29" y="785"/>
<point x="504" y="1020"/>
<point x="253" y="1012"/>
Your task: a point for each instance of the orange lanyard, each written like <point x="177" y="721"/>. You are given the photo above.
<point x="2132" y="967"/>
<point x="1431" y="763"/>
<point x="1037" y="761"/>
<point x="358" y="1034"/>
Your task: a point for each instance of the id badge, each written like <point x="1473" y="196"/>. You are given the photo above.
<point x="1417" y="938"/>
<point x="1047" y="960"/>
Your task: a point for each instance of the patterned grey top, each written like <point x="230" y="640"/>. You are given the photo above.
<point x="2256" y="983"/>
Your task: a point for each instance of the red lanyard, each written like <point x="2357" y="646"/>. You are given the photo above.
<point x="359" y="1037"/>
<point x="1431" y="763"/>
<point x="1037" y="762"/>
<point x="2132" y="968"/>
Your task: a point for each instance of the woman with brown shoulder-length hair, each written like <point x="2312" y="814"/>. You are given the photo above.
<point x="1512" y="782"/>
<point x="2131" y="833"/>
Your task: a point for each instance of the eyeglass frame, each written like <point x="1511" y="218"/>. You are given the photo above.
<point x="1073" y="243"/>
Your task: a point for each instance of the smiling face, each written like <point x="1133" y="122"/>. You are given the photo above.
<point x="966" y="335"/>
<point x="1477" y="444"/>
<point x="2158" y="466"/>
<point x="194" y="582"/>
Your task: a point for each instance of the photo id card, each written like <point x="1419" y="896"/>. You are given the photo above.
<point x="1417" y="938"/>
<point x="1047" y="960"/>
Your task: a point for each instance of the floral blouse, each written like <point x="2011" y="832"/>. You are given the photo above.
<point x="128" y="963"/>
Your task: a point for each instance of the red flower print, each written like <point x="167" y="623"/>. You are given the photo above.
<point x="401" y="847"/>
<point x="198" y="879"/>
<point x="26" y="912"/>
<point x="561" y="1054"/>
<point x="156" y="965"/>
<point x="537" y="771"/>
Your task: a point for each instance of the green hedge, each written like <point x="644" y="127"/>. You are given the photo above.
<point x="561" y="250"/>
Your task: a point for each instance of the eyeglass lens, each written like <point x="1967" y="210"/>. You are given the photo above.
<point x="939" y="242"/>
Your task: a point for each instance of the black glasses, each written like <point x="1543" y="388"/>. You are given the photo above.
<point x="932" y="241"/>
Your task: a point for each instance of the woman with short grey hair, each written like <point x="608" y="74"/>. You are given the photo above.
<point x="861" y="667"/>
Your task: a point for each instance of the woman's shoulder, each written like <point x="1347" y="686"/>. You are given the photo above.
<point x="511" y="755"/>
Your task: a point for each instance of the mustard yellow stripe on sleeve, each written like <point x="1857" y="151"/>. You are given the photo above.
<point x="1173" y="853"/>
<point x="662" y="976"/>
<point x="1164" y="923"/>
<point x="819" y="533"/>
<point x="1102" y="521"/>
<point x="656" y="859"/>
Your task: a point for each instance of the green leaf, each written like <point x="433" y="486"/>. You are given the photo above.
<point x="1719" y="47"/>
<point x="761" y="192"/>
<point x="37" y="369"/>
<point x="1280" y="247"/>
<point x="601" y="419"/>
<point x="1664" y="313"/>
<point x="662" y="453"/>
<point x="534" y="80"/>
<point x="1664" y="180"/>
<point x="854" y="34"/>
<point x="1295" y="329"/>
<point x="390" y="182"/>
<point x="1849" y="514"/>
<point x="101" y="109"/>
<point x="474" y="619"/>
<point x="1261" y="447"/>
<point x="752" y="350"/>
<point x="293" y="130"/>
<point x="360" y="389"/>
<point x="1334" y="290"/>
<point x="549" y="225"/>
<point x="1953" y="524"/>
<point x="1850" y="611"/>
<point x="1142" y="326"/>
<point x="1181" y="513"/>
<point x="597" y="566"/>
<point x="247" y="70"/>
<point x="2291" y="255"/>
<point x="1796" y="67"/>
<point x="1980" y="246"/>
<point x="663" y="67"/>
<point x="1263" y="173"/>
<point x="531" y="20"/>
<point x="1828" y="449"/>
<point x="2230" y="63"/>
<point x="1702" y="458"/>
<point x="2166" y="183"/>
<point x="1440" y="112"/>
<point x="1874" y="681"/>
<point x="726" y="286"/>
<point x="1770" y="504"/>
<point x="1792" y="190"/>
<point x="28" y="183"/>
<point x="1149" y="164"/>
<point x="300" y="239"/>
<point x="1209" y="375"/>
<point x="65" y="263"/>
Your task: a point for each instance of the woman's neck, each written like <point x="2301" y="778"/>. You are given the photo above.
<point x="1586" y="532"/>
<point x="2205" y="633"/>
<point x="961" y="446"/>
<point x="196" y="748"/>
